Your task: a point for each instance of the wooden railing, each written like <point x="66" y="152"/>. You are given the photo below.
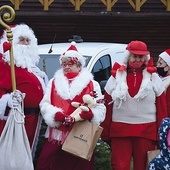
<point x="136" y="4"/>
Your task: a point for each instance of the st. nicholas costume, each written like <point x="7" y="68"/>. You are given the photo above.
<point x="29" y="80"/>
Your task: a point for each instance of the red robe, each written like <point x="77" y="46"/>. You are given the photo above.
<point x="52" y="155"/>
<point x="27" y="83"/>
<point x="168" y="100"/>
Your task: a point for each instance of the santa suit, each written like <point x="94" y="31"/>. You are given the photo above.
<point x="58" y="97"/>
<point x="166" y="82"/>
<point x="30" y="84"/>
<point x="132" y="120"/>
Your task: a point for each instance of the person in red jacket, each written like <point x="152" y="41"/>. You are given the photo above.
<point x="163" y="69"/>
<point x="29" y="79"/>
<point x="135" y="106"/>
<point x="69" y="84"/>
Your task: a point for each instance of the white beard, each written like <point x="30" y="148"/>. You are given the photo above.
<point x="25" y="56"/>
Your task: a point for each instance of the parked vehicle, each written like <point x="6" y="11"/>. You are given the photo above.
<point x="100" y="57"/>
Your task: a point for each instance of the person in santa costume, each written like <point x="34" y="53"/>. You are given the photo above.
<point x="69" y="84"/>
<point x="29" y="79"/>
<point x="135" y="106"/>
<point x="163" y="69"/>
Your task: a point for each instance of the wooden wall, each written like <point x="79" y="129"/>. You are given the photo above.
<point x="93" y="23"/>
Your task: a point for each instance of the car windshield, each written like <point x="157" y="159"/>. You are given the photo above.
<point x="49" y="63"/>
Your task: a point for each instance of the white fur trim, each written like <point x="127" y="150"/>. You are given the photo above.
<point x="72" y="53"/>
<point x="99" y="113"/>
<point x="118" y="89"/>
<point x="69" y="91"/>
<point x="166" y="57"/>
<point x="48" y="111"/>
<point x="49" y="116"/>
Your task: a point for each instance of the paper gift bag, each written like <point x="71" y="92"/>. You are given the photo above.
<point x="82" y="139"/>
<point x="152" y="154"/>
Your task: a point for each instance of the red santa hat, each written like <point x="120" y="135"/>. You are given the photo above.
<point x="73" y="53"/>
<point x="166" y="56"/>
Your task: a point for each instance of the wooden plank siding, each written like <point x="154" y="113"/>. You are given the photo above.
<point x="94" y="23"/>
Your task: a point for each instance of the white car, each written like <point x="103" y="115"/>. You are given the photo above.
<point x="99" y="56"/>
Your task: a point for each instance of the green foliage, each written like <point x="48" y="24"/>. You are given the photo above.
<point x="102" y="156"/>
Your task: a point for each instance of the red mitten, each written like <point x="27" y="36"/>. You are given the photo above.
<point x="69" y="120"/>
<point x="86" y="115"/>
<point x="122" y="68"/>
<point x="59" y="116"/>
<point x="150" y="66"/>
<point x="6" y="46"/>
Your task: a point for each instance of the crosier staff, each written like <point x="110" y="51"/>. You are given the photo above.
<point x="9" y="17"/>
<point x="18" y="141"/>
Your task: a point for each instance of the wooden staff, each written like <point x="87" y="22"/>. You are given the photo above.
<point x="9" y="17"/>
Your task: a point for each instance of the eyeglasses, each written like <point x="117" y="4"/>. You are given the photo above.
<point x="65" y="64"/>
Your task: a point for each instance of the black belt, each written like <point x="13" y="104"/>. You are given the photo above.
<point x="31" y="110"/>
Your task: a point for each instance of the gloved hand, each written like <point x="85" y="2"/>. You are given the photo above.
<point x="86" y="115"/>
<point x="6" y="46"/>
<point x="59" y="116"/>
<point x="69" y="120"/>
<point x="16" y="97"/>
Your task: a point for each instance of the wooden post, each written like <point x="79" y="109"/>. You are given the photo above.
<point x="77" y="4"/>
<point x="46" y="4"/>
<point x="109" y="4"/>
<point x="137" y="5"/>
<point x="16" y="3"/>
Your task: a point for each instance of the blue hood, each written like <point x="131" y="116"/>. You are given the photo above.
<point x="163" y="132"/>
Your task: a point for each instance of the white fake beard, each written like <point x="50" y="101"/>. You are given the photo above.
<point x="25" y="56"/>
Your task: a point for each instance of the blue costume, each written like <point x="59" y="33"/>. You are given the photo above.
<point x="162" y="161"/>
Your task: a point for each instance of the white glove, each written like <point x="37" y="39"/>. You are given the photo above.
<point x="16" y="97"/>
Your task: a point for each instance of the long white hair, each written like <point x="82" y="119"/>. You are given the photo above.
<point x="25" y="56"/>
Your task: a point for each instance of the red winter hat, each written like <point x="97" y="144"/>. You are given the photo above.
<point x="137" y="47"/>
<point x="72" y="52"/>
<point x="166" y="56"/>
